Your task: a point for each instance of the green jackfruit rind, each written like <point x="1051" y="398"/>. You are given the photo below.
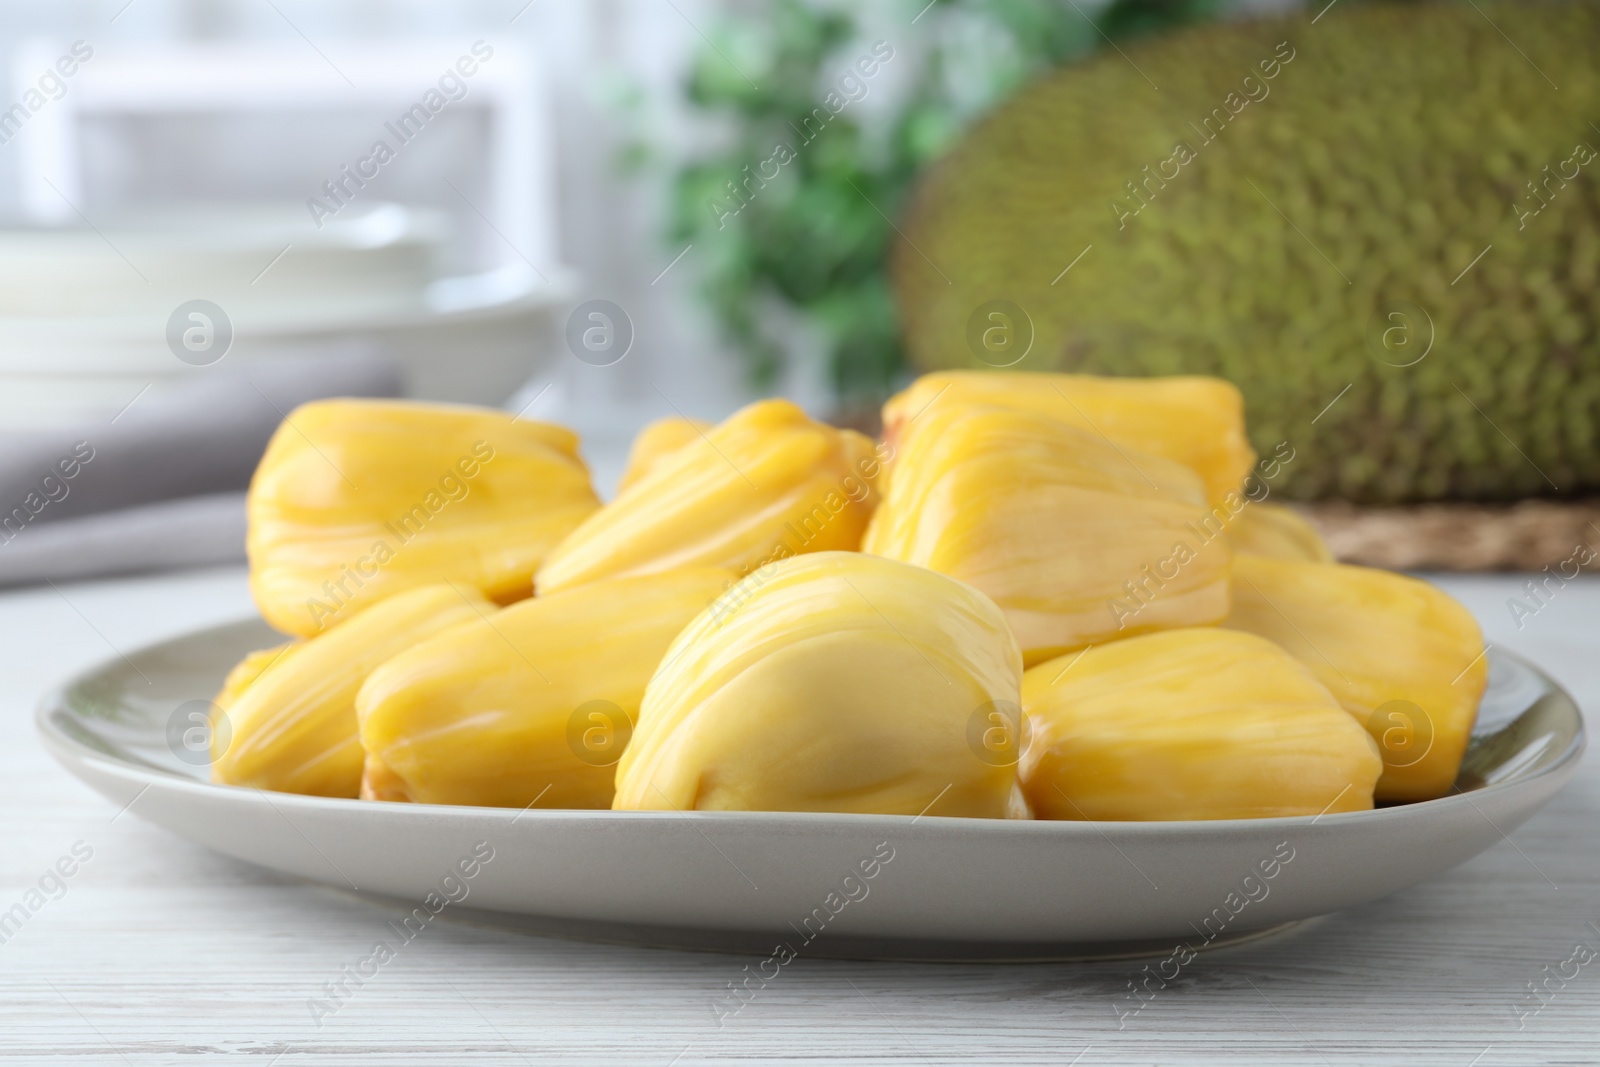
<point x="1386" y="154"/>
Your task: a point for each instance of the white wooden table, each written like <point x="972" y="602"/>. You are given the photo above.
<point x="162" y="952"/>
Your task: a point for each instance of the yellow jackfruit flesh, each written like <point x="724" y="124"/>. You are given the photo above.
<point x="1195" y="421"/>
<point x="531" y="706"/>
<point x="378" y="782"/>
<point x="768" y="482"/>
<point x="1079" y="540"/>
<point x="1278" y="532"/>
<point x="356" y="500"/>
<point x="246" y="671"/>
<point x="1403" y="657"/>
<point x="833" y="682"/>
<point x="657" y="441"/>
<point x="1198" y="723"/>
<point x="292" y="727"/>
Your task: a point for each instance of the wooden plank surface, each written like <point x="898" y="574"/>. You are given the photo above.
<point x="158" y="951"/>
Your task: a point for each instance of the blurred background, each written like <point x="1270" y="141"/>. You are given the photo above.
<point x="601" y="213"/>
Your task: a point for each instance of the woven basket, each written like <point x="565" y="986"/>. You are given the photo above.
<point x="1526" y="536"/>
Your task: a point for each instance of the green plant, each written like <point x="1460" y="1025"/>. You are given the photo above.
<point x="812" y="240"/>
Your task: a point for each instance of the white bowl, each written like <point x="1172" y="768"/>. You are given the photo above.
<point x="84" y="311"/>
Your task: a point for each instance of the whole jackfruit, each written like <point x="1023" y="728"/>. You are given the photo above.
<point x="1189" y="724"/>
<point x="766" y="483"/>
<point x="1077" y="539"/>
<point x="291" y="713"/>
<point x="1384" y="228"/>
<point x="835" y="682"/>
<point x="1403" y="657"/>
<point x="356" y="500"/>
<point x="532" y="705"/>
<point x="1198" y="422"/>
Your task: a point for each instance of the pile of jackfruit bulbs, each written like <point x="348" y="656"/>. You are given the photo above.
<point x="1038" y="596"/>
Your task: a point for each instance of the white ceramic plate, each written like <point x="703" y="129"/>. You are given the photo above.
<point x="939" y="887"/>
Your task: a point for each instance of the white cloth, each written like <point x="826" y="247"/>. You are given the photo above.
<point x="194" y="531"/>
<point x="163" y="485"/>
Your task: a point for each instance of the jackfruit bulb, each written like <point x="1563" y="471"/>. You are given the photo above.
<point x="1189" y="724"/>
<point x="291" y="714"/>
<point x="1198" y="422"/>
<point x="531" y="706"/>
<point x="1382" y="228"/>
<point x="832" y="681"/>
<point x="1403" y="657"/>
<point x="1078" y="539"/>
<point x="356" y="500"/>
<point x="1277" y="531"/>
<point x="246" y="671"/>
<point x="657" y="441"/>
<point x="768" y="482"/>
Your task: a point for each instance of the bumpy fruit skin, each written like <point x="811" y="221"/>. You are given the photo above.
<point x="1076" y="538"/>
<point x="1388" y="145"/>
<point x="658" y="440"/>
<point x="292" y="727"/>
<point x="766" y="483"/>
<point x="531" y="706"/>
<point x="1403" y="657"/>
<point x="839" y="682"/>
<point x="1195" y="421"/>
<point x="356" y="500"/>
<point x="1277" y="532"/>
<point x="1189" y="724"/>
